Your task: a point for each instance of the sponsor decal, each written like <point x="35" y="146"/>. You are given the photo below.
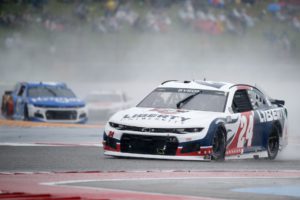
<point x="158" y="117"/>
<point x="183" y="90"/>
<point x="269" y="115"/>
<point x="235" y="151"/>
<point x="55" y="99"/>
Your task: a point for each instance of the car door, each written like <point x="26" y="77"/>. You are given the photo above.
<point x="240" y="139"/>
<point x="261" y="129"/>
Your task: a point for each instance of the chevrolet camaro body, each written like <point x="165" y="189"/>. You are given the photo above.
<point x="44" y="102"/>
<point x="199" y="120"/>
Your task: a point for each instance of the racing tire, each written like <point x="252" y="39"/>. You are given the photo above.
<point x="26" y="115"/>
<point x="219" y="145"/>
<point x="3" y="108"/>
<point x="273" y="143"/>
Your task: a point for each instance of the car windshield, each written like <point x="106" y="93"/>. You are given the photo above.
<point x="204" y="100"/>
<point x="94" y="98"/>
<point x="46" y="91"/>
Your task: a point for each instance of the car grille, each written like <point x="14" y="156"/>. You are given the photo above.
<point x="144" y="144"/>
<point x="155" y="130"/>
<point x="61" y="115"/>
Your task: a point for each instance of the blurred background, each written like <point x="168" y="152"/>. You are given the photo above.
<point x="134" y="45"/>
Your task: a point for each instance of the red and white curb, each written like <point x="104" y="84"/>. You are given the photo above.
<point x="53" y="183"/>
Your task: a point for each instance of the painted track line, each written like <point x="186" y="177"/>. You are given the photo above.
<point x="14" y="123"/>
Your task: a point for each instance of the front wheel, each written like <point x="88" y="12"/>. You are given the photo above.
<point x="26" y="115"/>
<point x="273" y="143"/>
<point x="219" y="145"/>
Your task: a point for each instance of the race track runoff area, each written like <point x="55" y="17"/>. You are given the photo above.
<point x="42" y="161"/>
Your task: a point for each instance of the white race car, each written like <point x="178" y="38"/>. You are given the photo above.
<point x="199" y="120"/>
<point x="103" y="104"/>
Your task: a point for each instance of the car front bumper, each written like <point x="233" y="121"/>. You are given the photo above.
<point x="57" y="115"/>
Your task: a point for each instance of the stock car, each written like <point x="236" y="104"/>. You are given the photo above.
<point x="44" y="102"/>
<point x="103" y="104"/>
<point x="199" y="120"/>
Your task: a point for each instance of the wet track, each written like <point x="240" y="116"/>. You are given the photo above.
<point x="27" y="151"/>
<point x="80" y="158"/>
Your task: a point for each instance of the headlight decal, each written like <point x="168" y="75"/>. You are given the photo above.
<point x="155" y="130"/>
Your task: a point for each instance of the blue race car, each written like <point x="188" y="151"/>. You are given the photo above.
<point x="44" y="102"/>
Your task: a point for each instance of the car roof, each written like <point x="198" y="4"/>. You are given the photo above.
<point x="201" y="84"/>
<point x="49" y="84"/>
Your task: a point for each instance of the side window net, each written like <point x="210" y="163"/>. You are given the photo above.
<point x="241" y="102"/>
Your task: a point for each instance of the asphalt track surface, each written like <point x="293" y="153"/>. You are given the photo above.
<point x="70" y="157"/>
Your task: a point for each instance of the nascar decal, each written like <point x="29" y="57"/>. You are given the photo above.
<point x="243" y="136"/>
<point x="159" y="117"/>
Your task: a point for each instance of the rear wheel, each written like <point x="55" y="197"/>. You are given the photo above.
<point x="273" y="143"/>
<point x="3" y="107"/>
<point x="219" y="145"/>
<point x="7" y="107"/>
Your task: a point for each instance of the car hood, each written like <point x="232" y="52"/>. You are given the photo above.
<point x="162" y="118"/>
<point x="56" y="102"/>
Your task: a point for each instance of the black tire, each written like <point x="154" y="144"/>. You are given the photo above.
<point x="273" y="143"/>
<point x="4" y="106"/>
<point x="3" y="109"/>
<point x="219" y="145"/>
<point x="26" y="115"/>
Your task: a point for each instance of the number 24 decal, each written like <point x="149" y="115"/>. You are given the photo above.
<point x="246" y="134"/>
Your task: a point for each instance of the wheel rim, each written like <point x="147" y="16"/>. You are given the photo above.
<point x="218" y="145"/>
<point x="273" y="145"/>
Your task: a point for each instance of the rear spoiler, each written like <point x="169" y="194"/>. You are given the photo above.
<point x="277" y="102"/>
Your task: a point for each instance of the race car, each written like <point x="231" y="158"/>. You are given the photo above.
<point x="199" y="120"/>
<point x="44" y="102"/>
<point x="103" y="104"/>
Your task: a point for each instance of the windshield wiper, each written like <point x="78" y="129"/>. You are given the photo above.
<point x="187" y="99"/>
